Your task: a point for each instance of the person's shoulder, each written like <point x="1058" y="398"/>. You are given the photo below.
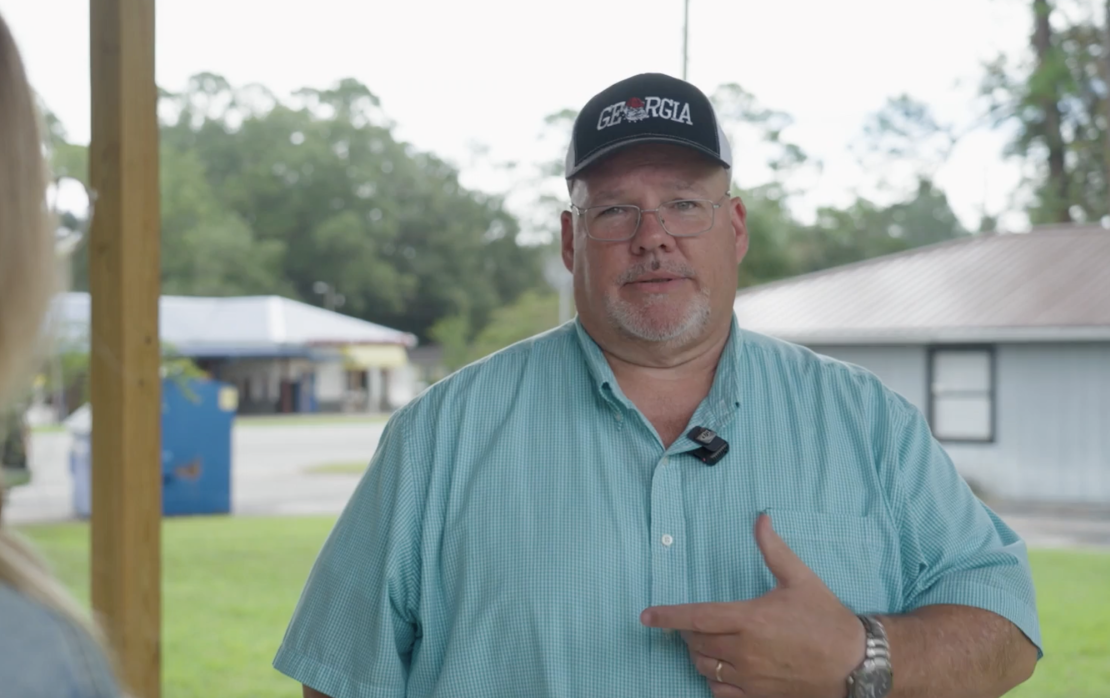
<point x="44" y="654"/>
<point x="499" y="373"/>
<point x="804" y="370"/>
<point x="795" y="358"/>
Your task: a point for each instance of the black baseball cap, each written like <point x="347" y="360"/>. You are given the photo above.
<point x="646" y="108"/>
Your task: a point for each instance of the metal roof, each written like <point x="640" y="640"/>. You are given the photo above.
<point x="1052" y="284"/>
<point x="239" y="326"/>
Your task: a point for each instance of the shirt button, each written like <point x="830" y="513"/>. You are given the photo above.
<point x="668" y="539"/>
<point x="665" y="460"/>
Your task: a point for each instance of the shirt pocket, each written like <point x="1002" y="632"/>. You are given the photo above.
<point x="846" y="552"/>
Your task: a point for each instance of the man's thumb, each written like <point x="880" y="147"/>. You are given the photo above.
<point x="787" y="567"/>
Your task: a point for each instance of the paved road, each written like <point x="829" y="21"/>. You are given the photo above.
<point x="268" y="472"/>
<point x="270" y="478"/>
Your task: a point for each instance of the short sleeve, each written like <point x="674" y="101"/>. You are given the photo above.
<point x="955" y="550"/>
<point x="354" y="628"/>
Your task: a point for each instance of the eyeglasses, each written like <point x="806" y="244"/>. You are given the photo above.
<point x="684" y="218"/>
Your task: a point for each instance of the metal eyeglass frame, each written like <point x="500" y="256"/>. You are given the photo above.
<point x="640" y="217"/>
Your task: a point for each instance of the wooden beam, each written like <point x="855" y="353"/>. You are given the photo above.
<point x="124" y="282"/>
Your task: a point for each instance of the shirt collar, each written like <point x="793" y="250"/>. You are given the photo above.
<point x="717" y="408"/>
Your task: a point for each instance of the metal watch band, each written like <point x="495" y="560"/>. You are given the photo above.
<point x="873" y="678"/>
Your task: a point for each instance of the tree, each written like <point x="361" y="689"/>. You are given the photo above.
<point x="207" y="250"/>
<point x="865" y="230"/>
<point x="1057" y="97"/>
<point x="771" y="232"/>
<point x="265" y="196"/>
<point x="389" y="227"/>
<point x="904" y="143"/>
<point x="741" y="113"/>
<point x="531" y="314"/>
<point x="1044" y="95"/>
<point x="771" y="223"/>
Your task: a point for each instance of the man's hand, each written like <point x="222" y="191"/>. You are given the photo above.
<point x="797" y="641"/>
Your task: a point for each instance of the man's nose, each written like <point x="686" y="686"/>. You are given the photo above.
<point x="651" y="235"/>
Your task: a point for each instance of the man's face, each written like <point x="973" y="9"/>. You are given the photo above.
<point x="655" y="287"/>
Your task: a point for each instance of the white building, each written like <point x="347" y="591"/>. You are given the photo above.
<point x="282" y="355"/>
<point x="1002" y="341"/>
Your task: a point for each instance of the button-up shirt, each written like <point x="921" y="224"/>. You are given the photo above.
<point x="519" y="515"/>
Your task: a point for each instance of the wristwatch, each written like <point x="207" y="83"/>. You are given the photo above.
<point x="874" y="677"/>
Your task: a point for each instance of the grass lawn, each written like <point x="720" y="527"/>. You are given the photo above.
<point x="1073" y="597"/>
<point x="231" y="585"/>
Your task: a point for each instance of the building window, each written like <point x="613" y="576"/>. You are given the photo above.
<point x="961" y="393"/>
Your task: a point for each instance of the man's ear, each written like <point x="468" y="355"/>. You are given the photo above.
<point x="566" y="226"/>
<point x="738" y="217"/>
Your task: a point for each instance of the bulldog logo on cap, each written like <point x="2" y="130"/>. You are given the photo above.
<point x="635" y="110"/>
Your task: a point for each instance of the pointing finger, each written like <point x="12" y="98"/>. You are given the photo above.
<point x="787" y="567"/>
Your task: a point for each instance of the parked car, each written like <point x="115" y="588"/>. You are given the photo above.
<point x="14" y="449"/>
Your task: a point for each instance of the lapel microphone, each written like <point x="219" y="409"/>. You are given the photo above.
<point x="712" y="447"/>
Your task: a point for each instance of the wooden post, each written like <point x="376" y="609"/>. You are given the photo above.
<point x="124" y="282"/>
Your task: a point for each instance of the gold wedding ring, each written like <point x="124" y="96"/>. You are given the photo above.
<point x="720" y="664"/>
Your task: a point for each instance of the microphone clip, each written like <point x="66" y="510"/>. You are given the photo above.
<point x="712" y="448"/>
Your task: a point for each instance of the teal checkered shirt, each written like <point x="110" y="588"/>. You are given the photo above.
<point x="518" y="516"/>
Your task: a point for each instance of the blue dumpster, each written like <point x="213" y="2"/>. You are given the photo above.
<point x="197" y="416"/>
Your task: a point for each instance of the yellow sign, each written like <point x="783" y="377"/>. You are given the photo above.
<point x="229" y="399"/>
<point x="376" y="356"/>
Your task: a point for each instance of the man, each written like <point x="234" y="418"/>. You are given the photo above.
<point x="650" y="501"/>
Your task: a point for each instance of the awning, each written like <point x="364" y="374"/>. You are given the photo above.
<point x="375" y="356"/>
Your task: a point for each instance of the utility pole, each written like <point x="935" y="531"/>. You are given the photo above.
<point x="685" y="36"/>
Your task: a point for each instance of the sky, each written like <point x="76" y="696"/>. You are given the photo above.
<point x="460" y="77"/>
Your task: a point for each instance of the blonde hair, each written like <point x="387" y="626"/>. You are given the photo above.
<point x="28" y="271"/>
<point x="29" y="277"/>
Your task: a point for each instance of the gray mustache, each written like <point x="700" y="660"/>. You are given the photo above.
<point x="639" y="270"/>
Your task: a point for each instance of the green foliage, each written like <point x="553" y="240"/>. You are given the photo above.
<point x="208" y="250"/>
<point x="531" y="314"/>
<point x="261" y="196"/>
<point x="452" y="334"/>
<point x="1055" y="100"/>
<point x="772" y="232"/>
<point x="323" y="179"/>
<point x="864" y="230"/>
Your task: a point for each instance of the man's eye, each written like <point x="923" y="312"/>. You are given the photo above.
<point x="612" y="211"/>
